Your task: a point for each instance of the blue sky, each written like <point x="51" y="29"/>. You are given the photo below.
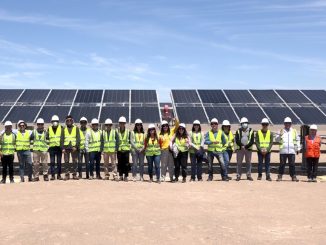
<point x="162" y="44"/>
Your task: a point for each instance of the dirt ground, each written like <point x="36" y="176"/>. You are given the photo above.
<point x="107" y="212"/>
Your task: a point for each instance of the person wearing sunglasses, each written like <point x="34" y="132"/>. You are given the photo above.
<point x="137" y="150"/>
<point x="196" y="151"/>
<point x="124" y="147"/>
<point x="216" y="142"/>
<point x="167" y="161"/>
<point x="82" y="153"/>
<point x="264" y="143"/>
<point x="180" y="144"/>
<point x="229" y="146"/>
<point x="289" y="146"/>
<point x="7" y="152"/>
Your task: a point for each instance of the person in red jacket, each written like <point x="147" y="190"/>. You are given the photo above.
<point x="312" y="152"/>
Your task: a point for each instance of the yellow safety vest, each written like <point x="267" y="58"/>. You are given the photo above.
<point x="23" y="141"/>
<point x="153" y="148"/>
<point x="215" y="147"/>
<point x="70" y="137"/>
<point x="82" y="135"/>
<point x="196" y="139"/>
<point x="109" y="141"/>
<point x="124" y="143"/>
<point x="264" y="141"/>
<point x="8" y="144"/>
<point x="249" y="137"/>
<point x="40" y="142"/>
<point x="181" y="144"/>
<point x="229" y="139"/>
<point x="139" y="140"/>
<point x="54" y="138"/>
<point x="95" y="141"/>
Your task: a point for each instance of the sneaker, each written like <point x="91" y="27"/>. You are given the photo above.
<point x="229" y="178"/>
<point x="238" y="178"/>
<point x="107" y="177"/>
<point x="225" y="179"/>
<point x="294" y="178"/>
<point x="30" y="179"/>
<point x="192" y="180"/>
<point x="75" y="177"/>
<point x="314" y="180"/>
<point x="67" y="177"/>
<point x="176" y="180"/>
<point x="268" y="178"/>
<point x="134" y="179"/>
<point x="210" y="179"/>
<point x="163" y="178"/>
<point x="91" y="177"/>
<point x="279" y="178"/>
<point x="46" y="178"/>
<point x="150" y="180"/>
<point x="259" y="177"/>
<point x="309" y="180"/>
<point x="99" y="177"/>
<point x="250" y="178"/>
<point x="35" y="179"/>
<point x="121" y="178"/>
<point x="22" y="179"/>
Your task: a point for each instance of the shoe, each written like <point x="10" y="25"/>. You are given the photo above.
<point x="67" y="177"/>
<point x="80" y="175"/>
<point x="52" y="177"/>
<point x="87" y="176"/>
<point x="150" y="180"/>
<point x="225" y="179"/>
<point x="126" y="179"/>
<point x="314" y="180"/>
<point x="163" y="178"/>
<point x="200" y="179"/>
<point x="12" y="181"/>
<point x="238" y="178"/>
<point x="294" y="178"/>
<point x="250" y="178"/>
<point x="59" y="177"/>
<point x="192" y="180"/>
<point x="107" y="177"/>
<point x="259" y="177"/>
<point x="210" y="179"/>
<point x="3" y="181"/>
<point x="30" y="179"/>
<point x="91" y="177"/>
<point x="99" y="177"/>
<point x="309" y="179"/>
<point x="35" y="179"/>
<point x="120" y="178"/>
<point x="22" y="179"/>
<point x="229" y="178"/>
<point x="134" y="179"/>
<point x="268" y="178"/>
<point x="158" y="181"/>
<point x="46" y="178"/>
<point x="184" y="180"/>
<point x="75" y="177"/>
<point x="279" y="178"/>
<point x="116" y="178"/>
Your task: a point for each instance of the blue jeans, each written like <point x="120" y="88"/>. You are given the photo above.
<point x="25" y="160"/>
<point x="156" y="161"/>
<point x="137" y="158"/>
<point x="220" y="159"/>
<point x="83" y="154"/>
<point x="261" y="159"/>
<point x="95" y="157"/>
<point x="55" y="152"/>
<point x="227" y="155"/>
<point x="291" y="160"/>
<point x="196" y="166"/>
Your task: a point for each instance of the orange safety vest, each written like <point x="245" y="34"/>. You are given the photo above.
<point x="312" y="147"/>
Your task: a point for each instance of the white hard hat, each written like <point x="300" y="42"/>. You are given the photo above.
<point x="108" y="121"/>
<point x="244" y="120"/>
<point x="83" y="119"/>
<point x="94" y="121"/>
<point x="226" y="123"/>
<point x="138" y="121"/>
<point x="54" y="118"/>
<point x="8" y="123"/>
<point x="287" y="120"/>
<point x="264" y="120"/>
<point x="214" y="120"/>
<point x="182" y="125"/>
<point x="122" y="120"/>
<point x="40" y="121"/>
<point x="313" y="126"/>
<point x="21" y="121"/>
<point x="151" y="126"/>
<point x="196" y="122"/>
<point x="164" y="122"/>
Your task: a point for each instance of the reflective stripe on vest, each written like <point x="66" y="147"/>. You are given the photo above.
<point x="54" y="138"/>
<point x="153" y="148"/>
<point x="294" y="138"/>
<point x="40" y="142"/>
<point x="312" y="147"/>
<point x="124" y="143"/>
<point x="229" y="141"/>
<point x="139" y="140"/>
<point x="264" y="142"/>
<point x="8" y="144"/>
<point x="181" y="144"/>
<point x="215" y="147"/>
<point x="70" y="137"/>
<point x="196" y="139"/>
<point x="95" y="141"/>
<point x="249" y="137"/>
<point x="82" y="135"/>
<point x="109" y="141"/>
<point x="23" y="141"/>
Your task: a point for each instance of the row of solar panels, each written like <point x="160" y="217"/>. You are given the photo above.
<point x="303" y="106"/>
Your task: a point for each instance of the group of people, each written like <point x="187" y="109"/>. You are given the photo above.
<point x="166" y="151"/>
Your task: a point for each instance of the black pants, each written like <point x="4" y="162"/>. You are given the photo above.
<point x="95" y="158"/>
<point x="312" y="166"/>
<point x="83" y="155"/>
<point x="8" y="161"/>
<point x="181" y="161"/>
<point x="55" y="153"/>
<point x="123" y="163"/>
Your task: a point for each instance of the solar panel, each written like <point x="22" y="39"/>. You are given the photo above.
<point x="292" y="96"/>
<point x="3" y="111"/>
<point x="34" y="95"/>
<point x="212" y="96"/>
<point x="266" y="96"/>
<point x="9" y="95"/>
<point x="185" y="96"/>
<point x="317" y="96"/>
<point x="146" y="114"/>
<point x="310" y="115"/>
<point x="48" y="111"/>
<point x="89" y="96"/>
<point x="277" y="114"/>
<point x="323" y="108"/>
<point x="114" y="113"/>
<point x="116" y="96"/>
<point x="26" y="113"/>
<point x="190" y="114"/>
<point x="143" y="96"/>
<point x="222" y="113"/>
<point x="239" y="96"/>
<point x="89" y="112"/>
<point x="254" y="114"/>
<point x="61" y="96"/>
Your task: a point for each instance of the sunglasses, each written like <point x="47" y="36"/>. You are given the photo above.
<point x="165" y="125"/>
<point x="214" y="123"/>
<point x="181" y="129"/>
<point x="196" y="125"/>
<point x="138" y="124"/>
<point x="265" y="124"/>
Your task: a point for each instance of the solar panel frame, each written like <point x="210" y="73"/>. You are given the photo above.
<point x="61" y="96"/>
<point x="143" y="96"/>
<point x="265" y="96"/>
<point x="254" y="114"/>
<point x="316" y="96"/>
<point x="292" y="96"/>
<point x="49" y="110"/>
<point x="26" y="113"/>
<point x="239" y="96"/>
<point x="114" y="112"/>
<point x="33" y="96"/>
<point x="222" y="113"/>
<point x="9" y="95"/>
<point x="116" y="96"/>
<point x="277" y="114"/>
<point x="310" y="115"/>
<point x="212" y="96"/>
<point x="89" y="112"/>
<point x="89" y="96"/>
<point x="185" y="96"/>
<point x="189" y="114"/>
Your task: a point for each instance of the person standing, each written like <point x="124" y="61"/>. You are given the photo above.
<point x="312" y="152"/>
<point x="123" y="149"/>
<point x="137" y="150"/>
<point x="229" y="146"/>
<point x="82" y="153"/>
<point x="216" y="142"/>
<point x="153" y="153"/>
<point x="54" y="136"/>
<point x="93" y="145"/>
<point x="40" y="151"/>
<point x="289" y="146"/>
<point x="244" y="139"/>
<point x="70" y="142"/>
<point x="264" y="143"/>
<point x="111" y="141"/>
<point x="7" y="152"/>
<point x="196" y="151"/>
<point x="180" y="144"/>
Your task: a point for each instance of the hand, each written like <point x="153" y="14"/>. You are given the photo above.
<point x="63" y="150"/>
<point x="74" y="149"/>
<point x="1" y="154"/>
<point x="216" y="142"/>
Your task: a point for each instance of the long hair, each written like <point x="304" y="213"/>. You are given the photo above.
<point x="193" y="128"/>
<point x="184" y="135"/>
<point x="141" y="129"/>
<point x="162" y="130"/>
<point x="149" y="135"/>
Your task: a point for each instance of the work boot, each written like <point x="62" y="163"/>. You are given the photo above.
<point x="250" y="178"/>
<point x="279" y="178"/>
<point x="59" y="177"/>
<point x="22" y="179"/>
<point x="229" y="178"/>
<point x="259" y="177"/>
<point x="52" y="177"/>
<point x="238" y="178"/>
<point x="46" y="178"/>
<point x="150" y="180"/>
<point x="91" y="177"/>
<point x="158" y="181"/>
<point x="192" y="180"/>
<point x="3" y="181"/>
<point x="294" y="178"/>
<point x="12" y="181"/>
<point x="87" y="176"/>
<point x="268" y="178"/>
